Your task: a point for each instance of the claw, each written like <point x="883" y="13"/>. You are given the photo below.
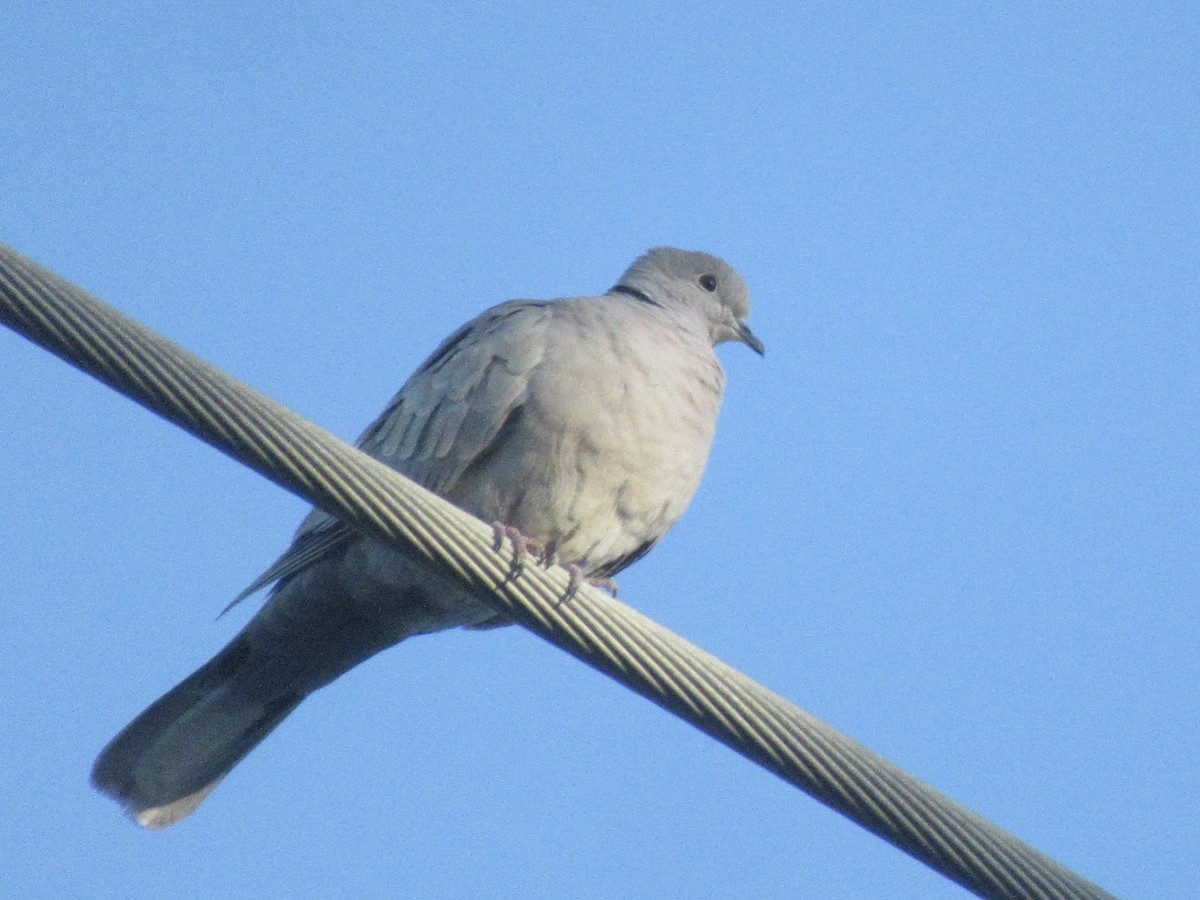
<point x="605" y="584"/>
<point x="549" y="555"/>
<point x="575" y="575"/>
<point x="523" y="548"/>
<point x="520" y="547"/>
<point x="577" y="578"/>
<point x="544" y="554"/>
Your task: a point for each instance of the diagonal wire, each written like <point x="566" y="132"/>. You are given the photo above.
<point x="598" y="630"/>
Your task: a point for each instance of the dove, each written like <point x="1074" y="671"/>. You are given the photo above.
<point x="581" y="426"/>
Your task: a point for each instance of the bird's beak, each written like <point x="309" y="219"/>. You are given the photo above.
<point x="746" y="336"/>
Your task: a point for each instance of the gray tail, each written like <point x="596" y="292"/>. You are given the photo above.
<point x="168" y="759"/>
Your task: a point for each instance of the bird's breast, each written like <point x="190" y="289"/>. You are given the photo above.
<point x="599" y="466"/>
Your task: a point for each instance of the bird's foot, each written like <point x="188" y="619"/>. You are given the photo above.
<point x="523" y="548"/>
<point x="544" y="554"/>
<point x="577" y="578"/>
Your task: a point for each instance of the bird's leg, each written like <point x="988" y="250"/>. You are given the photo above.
<point x="605" y="584"/>
<point x="549" y="554"/>
<point x="519" y="547"/>
<point x="545" y="554"/>
<point x="577" y="578"/>
<point x="523" y="547"/>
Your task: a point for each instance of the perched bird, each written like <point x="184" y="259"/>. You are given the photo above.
<point x="582" y="424"/>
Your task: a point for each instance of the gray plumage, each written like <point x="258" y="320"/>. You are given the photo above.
<point x="584" y="423"/>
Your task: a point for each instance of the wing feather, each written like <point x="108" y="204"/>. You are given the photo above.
<point x="453" y="412"/>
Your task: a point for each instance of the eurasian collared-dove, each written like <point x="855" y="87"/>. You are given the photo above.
<point x="582" y="424"/>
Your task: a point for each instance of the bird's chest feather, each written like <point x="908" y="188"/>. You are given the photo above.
<point x="601" y="466"/>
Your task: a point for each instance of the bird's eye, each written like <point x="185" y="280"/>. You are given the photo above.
<point x="708" y="282"/>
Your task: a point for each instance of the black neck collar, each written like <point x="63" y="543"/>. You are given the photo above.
<point x="636" y="294"/>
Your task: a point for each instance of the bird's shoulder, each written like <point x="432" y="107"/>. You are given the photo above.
<point x="458" y="400"/>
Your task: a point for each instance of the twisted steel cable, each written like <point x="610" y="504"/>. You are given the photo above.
<point x="596" y="629"/>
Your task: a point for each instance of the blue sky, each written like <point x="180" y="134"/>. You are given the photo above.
<point x="953" y="512"/>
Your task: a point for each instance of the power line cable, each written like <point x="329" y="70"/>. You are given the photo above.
<point x="597" y="629"/>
